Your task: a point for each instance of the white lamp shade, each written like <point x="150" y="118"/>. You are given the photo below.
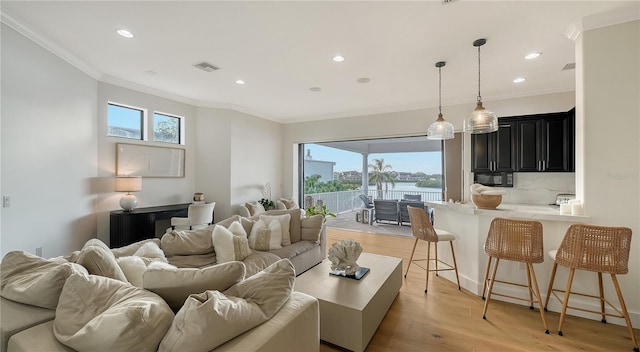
<point x="481" y="120"/>
<point x="129" y="184"/>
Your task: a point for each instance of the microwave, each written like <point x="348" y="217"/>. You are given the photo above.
<point x="495" y="179"/>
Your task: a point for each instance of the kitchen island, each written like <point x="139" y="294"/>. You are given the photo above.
<point x="471" y="226"/>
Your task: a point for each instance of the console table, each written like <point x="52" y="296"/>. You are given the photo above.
<point x="132" y="226"/>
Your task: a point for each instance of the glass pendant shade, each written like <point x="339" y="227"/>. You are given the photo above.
<point x="481" y="120"/>
<point x="440" y="129"/>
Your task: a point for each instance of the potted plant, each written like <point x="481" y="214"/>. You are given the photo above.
<point x="266" y="203"/>
<point x="319" y="209"/>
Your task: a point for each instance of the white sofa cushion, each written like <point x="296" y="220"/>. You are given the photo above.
<point x="175" y="285"/>
<point x="187" y="242"/>
<point x="208" y="320"/>
<point x="29" y="279"/>
<point x="97" y="314"/>
<point x="99" y="260"/>
<point x="284" y="220"/>
<point x="255" y="208"/>
<point x="228" y="246"/>
<point x="265" y="237"/>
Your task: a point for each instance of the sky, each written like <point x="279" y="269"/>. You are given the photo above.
<point x="427" y="162"/>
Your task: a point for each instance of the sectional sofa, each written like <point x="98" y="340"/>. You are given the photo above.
<point x="195" y="290"/>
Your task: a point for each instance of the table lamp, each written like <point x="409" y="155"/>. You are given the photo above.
<point x="129" y="184"/>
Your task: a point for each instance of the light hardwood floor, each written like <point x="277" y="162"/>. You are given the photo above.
<point x="450" y="320"/>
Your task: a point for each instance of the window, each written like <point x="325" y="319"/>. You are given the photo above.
<point x="125" y="122"/>
<point x="166" y="128"/>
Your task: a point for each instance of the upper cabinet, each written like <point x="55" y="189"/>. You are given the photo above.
<point x="494" y="151"/>
<point x="532" y="143"/>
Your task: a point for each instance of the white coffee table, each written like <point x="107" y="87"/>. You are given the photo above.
<point x="351" y="310"/>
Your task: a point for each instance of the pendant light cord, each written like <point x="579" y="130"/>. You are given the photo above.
<point x="440" y="90"/>
<point x="479" y="97"/>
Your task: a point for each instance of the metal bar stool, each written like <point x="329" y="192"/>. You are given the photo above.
<point x="599" y="249"/>
<point x="520" y="241"/>
<point x="423" y="230"/>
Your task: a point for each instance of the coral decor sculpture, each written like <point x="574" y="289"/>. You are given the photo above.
<point x="343" y="256"/>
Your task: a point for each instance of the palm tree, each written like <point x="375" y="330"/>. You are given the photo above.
<point x="379" y="173"/>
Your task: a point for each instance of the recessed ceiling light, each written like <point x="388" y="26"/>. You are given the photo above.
<point x="315" y="89"/>
<point x="363" y="80"/>
<point x="125" y="33"/>
<point x="239" y="81"/>
<point x="338" y="58"/>
<point x="533" y="55"/>
<point x="519" y="80"/>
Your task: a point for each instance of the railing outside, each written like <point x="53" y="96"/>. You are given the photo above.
<point x="344" y="201"/>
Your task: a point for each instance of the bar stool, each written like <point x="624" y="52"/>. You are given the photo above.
<point x="593" y="248"/>
<point x="422" y="229"/>
<point x="520" y="241"/>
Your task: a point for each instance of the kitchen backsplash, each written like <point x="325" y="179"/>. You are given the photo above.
<point x="539" y="187"/>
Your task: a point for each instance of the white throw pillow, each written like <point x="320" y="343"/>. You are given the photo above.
<point x="210" y="319"/>
<point x="133" y="268"/>
<point x="229" y="247"/>
<point x="255" y="208"/>
<point x="237" y="229"/>
<point x="98" y="314"/>
<point x="265" y="237"/>
<point x="175" y="285"/>
<point x="29" y="279"/>
<point x="284" y="220"/>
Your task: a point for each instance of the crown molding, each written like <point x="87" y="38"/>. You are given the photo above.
<point x="40" y="39"/>
<point x="600" y="20"/>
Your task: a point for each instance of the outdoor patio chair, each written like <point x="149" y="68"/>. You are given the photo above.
<point x="414" y="197"/>
<point x="386" y="210"/>
<point x="404" y="212"/>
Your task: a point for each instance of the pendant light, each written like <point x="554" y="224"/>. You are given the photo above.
<point x="481" y="120"/>
<point x="440" y="129"/>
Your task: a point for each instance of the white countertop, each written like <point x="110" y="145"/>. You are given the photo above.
<point x="511" y="210"/>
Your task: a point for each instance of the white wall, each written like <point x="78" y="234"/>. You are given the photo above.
<point x="155" y="191"/>
<point x="609" y="114"/>
<point x="49" y="154"/>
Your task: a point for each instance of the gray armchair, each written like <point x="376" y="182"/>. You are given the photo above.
<point x="386" y="210"/>
<point x="404" y="212"/>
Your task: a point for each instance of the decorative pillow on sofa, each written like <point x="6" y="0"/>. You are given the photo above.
<point x="177" y="284"/>
<point x="29" y="279"/>
<point x="99" y="260"/>
<point x="187" y="242"/>
<point x="289" y="203"/>
<point x="97" y="314"/>
<point x="229" y="246"/>
<point x="284" y="220"/>
<point x="294" y="224"/>
<point x="265" y="237"/>
<point x="311" y="228"/>
<point x="255" y="208"/>
<point x="210" y="319"/>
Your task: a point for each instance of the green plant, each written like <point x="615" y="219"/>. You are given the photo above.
<point x="266" y="203"/>
<point x="321" y="210"/>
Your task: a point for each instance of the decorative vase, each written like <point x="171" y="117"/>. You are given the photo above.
<point x="483" y="201"/>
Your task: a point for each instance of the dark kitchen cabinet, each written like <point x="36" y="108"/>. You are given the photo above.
<point x="545" y="142"/>
<point x="495" y="151"/>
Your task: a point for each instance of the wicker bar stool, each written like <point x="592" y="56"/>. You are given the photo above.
<point x="599" y="249"/>
<point x="520" y="241"/>
<point x="423" y="230"/>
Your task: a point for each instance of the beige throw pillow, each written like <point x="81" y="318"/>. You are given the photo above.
<point x="255" y="208"/>
<point x="29" y="279"/>
<point x="98" y="314"/>
<point x="210" y="319"/>
<point x="228" y="246"/>
<point x="265" y="237"/>
<point x="310" y="228"/>
<point x="284" y="220"/>
<point x="187" y="242"/>
<point x="289" y="203"/>
<point x="174" y="286"/>
<point x="99" y="260"/>
<point x="294" y="225"/>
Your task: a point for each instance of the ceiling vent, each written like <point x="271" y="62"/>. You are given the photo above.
<point x="444" y="2"/>
<point x="569" y="66"/>
<point x="205" y="66"/>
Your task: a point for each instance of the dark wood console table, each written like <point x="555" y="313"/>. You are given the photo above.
<point x="132" y="226"/>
